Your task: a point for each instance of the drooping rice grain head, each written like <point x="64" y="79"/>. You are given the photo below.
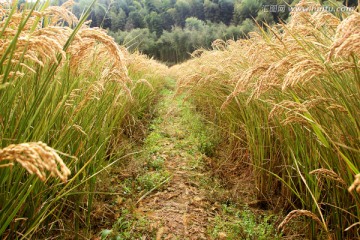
<point x="144" y="82"/>
<point x="36" y="158"/>
<point x="328" y="174"/>
<point x="356" y="184"/>
<point x="198" y="52"/>
<point x="219" y="44"/>
<point x="347" y="37"/>
<point x="272" y="77"/>
<point x="300" y="213"/>
<point x="43" y="45"/>
<point x="325" y="19"/>
<point x="93" y="42"/>
<point x="302" y="72"/>
<point x="113" y="49"/>
<point x="57" y="15"/>
<point x="292" y="111"/>
<point x="300" y="21"/>
<point x="17" y="19"/>
<point x="68" y="4"/>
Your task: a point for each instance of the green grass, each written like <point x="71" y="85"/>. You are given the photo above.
<point x="232" y="223"/>
<point x="128" y="226"/>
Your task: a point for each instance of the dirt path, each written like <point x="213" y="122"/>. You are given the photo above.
<point x="180" y="210"/>
<point x="169" y="190"/>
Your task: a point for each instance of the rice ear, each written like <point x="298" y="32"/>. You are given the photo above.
<point x="356" y="184"/>
<point x="36" y="158"/>
<point x="299" y="213"/>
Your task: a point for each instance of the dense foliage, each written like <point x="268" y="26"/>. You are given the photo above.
<point x="169" y="30"/>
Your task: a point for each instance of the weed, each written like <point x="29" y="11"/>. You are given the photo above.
<point x="234" y="224"/>
<point x="156" y="163"/>
<point x="128" y="226"/>
<point x="150" y="180"/>
<point x="152" y="142"/>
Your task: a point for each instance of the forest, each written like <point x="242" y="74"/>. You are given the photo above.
<point x="172" y="29"/>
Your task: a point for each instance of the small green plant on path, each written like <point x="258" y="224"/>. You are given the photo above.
<point x="125" y="226"/>
<point x="232" y="223"/>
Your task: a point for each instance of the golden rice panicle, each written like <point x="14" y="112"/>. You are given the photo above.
<point x="347" y="37"/>
<point x="328" y="174"/>
<point x="94" y="47"/>
<point x="197" y="53"/>
<point x="60" y="34"/>
<point x="37" y="50"/>
<point x="300" y="21"/>
<point x="325" y="19"/>
<point x="34" y="45"/>
<point x="291" y="110"/>
<point x="302" y="72"/>
<point x="59" y="15"/>
<point x="68" y="4"/>
<point x="219" y="44"/>
<point x="299" y="213"/>
<point x="36" y="158"/>
<point x="16" y="19"/>
<point x="356" y="184"/>
<point x="97" y="35"/>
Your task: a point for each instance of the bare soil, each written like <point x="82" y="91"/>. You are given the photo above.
<point x="181" y="210"/>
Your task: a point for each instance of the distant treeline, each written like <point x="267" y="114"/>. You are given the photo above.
<point x="169" y="30"/>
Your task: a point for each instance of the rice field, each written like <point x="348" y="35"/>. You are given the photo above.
<point x="286" y="101"/>
<point x="287" y="98"/>
<point x="67" y="95"/>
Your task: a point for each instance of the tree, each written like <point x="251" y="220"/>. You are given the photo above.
<point x="154" y="23"/>
<point x="197" y="9"/>
<point x="265" y="17"/>
<point x="212" y="11"/>
<point x="152" y="6"/>
<point x="192" y="23"/>
<point x="350" y="3"/>
<point x="168" y="20"/>
<point x="118" y="20"/>
<point x="134" y="20"/>
<point x="246" y="9"/>
<point x="182" y="8"/>
<point x="226" y="11"/>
